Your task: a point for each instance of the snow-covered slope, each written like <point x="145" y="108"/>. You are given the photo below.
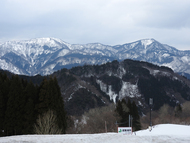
<point x="166" y="130"/>
<point x="167" y="133"/>
<point x="46" y="55"/>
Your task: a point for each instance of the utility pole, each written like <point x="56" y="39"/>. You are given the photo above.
<point x="129" y="120"/>
<point x="116" y="125"/>
<point x="105" y="127"/>
<point x="150" y="104"/>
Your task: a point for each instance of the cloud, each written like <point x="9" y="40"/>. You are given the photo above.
<point x="167" y="14"/>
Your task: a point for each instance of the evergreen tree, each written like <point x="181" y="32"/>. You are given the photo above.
<point x="43" y="97"/>
<point x="123" y="111"/>
<point x="136" y="118"/>
<point x="15" y="108"/>
<point x="2" y="112"/>
<point x="60" y="109"/>
<point x="30" y="115"/>
<point x="178" y="110"/>
<point x="50" y="98"/>
<point x="4" y="90"/>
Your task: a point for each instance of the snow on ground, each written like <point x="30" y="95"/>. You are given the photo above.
<point x="166" y="129"/>
<point x="164" y="133"/>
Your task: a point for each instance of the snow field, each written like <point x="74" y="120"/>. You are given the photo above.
<point x="164" y="133"/>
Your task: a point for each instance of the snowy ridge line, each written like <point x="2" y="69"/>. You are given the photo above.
<point x="157" y="72"/>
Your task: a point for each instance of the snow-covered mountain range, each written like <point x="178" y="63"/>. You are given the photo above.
<point x="46" y="55"/>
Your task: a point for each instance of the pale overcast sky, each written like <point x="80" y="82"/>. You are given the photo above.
<point x="110" y="22"/>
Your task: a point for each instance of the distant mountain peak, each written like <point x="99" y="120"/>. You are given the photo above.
<point x="46" y="41"/>
<point x="147" y="42"/>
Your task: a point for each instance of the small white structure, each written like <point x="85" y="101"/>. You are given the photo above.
<point x="125" y="130"/>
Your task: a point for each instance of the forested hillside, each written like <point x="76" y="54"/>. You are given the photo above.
<point x="128" y="79"/>
<point x="113" y="90"/>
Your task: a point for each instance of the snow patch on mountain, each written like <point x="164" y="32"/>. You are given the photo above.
<point x="129" y="90"/>
<point x="177" y="64"/>
<point x="108" y="90"/>
<point x="139" y="103"/>
<point x="186" y="59"/>
<point x="133" y="45"/>
<point x="9" y="67"/>
<point x="76" y="87"/>
<point x="63" y="53"/>
<point x="165" y="55"/>
<point x="147" y="42"/>
<point x="158" y="72"/>
<point x="120" y="72"/>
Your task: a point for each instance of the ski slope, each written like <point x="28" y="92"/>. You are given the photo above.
<point x="168" y="133"/>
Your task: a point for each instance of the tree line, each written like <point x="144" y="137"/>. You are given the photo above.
<point x="21" y="103"/>
<point x="107" y="118"/>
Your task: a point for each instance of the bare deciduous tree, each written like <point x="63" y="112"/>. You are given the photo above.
<point x="98" y="120"/>
<point x="186" y="109"/>
<point x="46" y="124"/>
<point x="167" y="114"/>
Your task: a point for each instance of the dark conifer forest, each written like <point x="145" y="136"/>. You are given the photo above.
<point x="21" y="102"/>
